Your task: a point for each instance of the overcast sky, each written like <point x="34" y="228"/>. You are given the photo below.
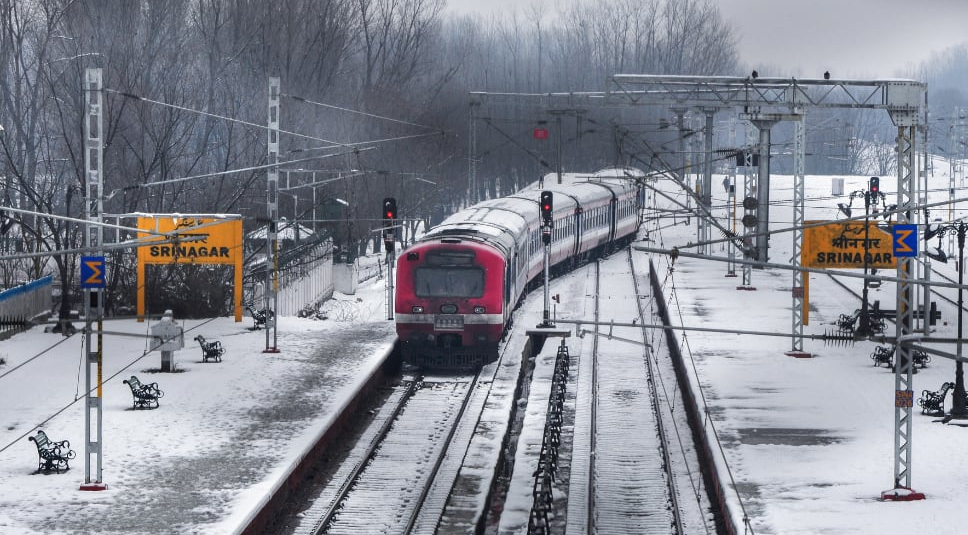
<point x="851" y="38"/>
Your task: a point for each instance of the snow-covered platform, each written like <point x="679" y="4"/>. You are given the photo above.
<point x="222" y="441"/>
<point x="809" y="442"/>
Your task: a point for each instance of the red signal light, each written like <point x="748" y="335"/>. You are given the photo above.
<point x="547" y="207"/>
<point x="389" y="208"/>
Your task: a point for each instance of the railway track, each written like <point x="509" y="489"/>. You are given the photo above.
<point x="399" y="477"/>
<point x="627" y="482"/>
<point x="631" y="463"/>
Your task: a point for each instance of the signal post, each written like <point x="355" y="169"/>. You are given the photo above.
<point x="389" y="245"/>
<point x="547" y="327"/>
<point x="547" y="223"/>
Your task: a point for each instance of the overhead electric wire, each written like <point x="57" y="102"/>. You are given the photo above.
<point x="708" y="421"/>
<point x="335" y="144"/>
<point x="232" y="171"/>
<point x="30" y="359"/>
<point x="859" y="218"/>
<point x="374" y="116"/>
<point x="519" y="145"/>
<point x="220" y="117"/>
<point x="94" y="389"/>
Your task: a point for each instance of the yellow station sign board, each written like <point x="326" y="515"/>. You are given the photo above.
<point x="203" y="240"/>
<point x="194" y="240"/>
<point x="844" y="245"/>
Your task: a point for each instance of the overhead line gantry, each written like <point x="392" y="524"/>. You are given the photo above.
<point x="764" y="102"/>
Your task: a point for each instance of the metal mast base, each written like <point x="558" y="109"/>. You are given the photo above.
<point x="901" y="494"/>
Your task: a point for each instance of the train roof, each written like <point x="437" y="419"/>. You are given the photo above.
<point x="586" y="187"/>
<point x="497" y="221"/>
<point x="609" y="174"/>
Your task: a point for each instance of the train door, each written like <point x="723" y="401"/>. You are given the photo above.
<point x="612" y="219"/>
<point x="577" y="230"/>
<point x="579" y="225"/>
<point x="510" y="272"/>
<point x="640" y="206"/>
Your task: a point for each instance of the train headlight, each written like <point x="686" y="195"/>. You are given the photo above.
<point x="479" y="309"/>
<point x="417" y="309"/>
<point x="448" y="309"/>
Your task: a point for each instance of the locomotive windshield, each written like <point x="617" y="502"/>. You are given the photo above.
<point x="449" y="282"/>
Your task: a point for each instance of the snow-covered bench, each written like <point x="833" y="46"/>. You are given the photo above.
<point x="932" y="403"/>
<point x="144" y="395"/>
<point x="210" y="350"/>
<point x="883" y="355"/>
<point x="53" y="455"/>
<point x="259" y="317"/>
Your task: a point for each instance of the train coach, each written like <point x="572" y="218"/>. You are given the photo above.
<point x="457" y="286"/>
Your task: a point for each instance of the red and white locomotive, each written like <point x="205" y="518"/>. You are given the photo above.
<point x="458" y="285"/>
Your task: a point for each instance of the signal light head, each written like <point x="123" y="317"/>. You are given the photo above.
<point x="547" y="206"/>
<point x="389" y="208"/>
<point x="875" y="184"/>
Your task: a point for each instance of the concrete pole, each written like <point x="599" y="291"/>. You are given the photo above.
<point x="707" y="183"/>
<point x="763" y="191"/>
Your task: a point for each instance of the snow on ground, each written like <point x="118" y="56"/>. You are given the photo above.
<point x="223" y="435"/>
<point x="810" y="442"/>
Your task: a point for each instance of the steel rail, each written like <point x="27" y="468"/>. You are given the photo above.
<point x="324" y="521"/>
<point x="657" y="404"/>
<point x="593" y="423"/>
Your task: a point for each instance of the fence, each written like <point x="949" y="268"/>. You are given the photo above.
<point x="22" y="303"/>
<point x="304" y="282"/>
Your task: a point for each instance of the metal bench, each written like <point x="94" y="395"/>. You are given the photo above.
<point x="210" y="350"/>
<point x="144" y="395"/>
<point x="54" y="456"/>
<point x="883" y="355"/>
<point x="920" y="358"/>
<point x="932" y="403"/>
<point x="259" y="317"/>
<point x="846" y="321"/>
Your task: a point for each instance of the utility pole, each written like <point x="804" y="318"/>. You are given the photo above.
<point x="272" y="205"/>
<point x="731" y="202"/>
<point x="93" y="296"/>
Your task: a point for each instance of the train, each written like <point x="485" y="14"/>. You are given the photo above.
<point x="458" y="284"/>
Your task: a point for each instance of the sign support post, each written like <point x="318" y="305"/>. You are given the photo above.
<point x="92" y="278"/>
<point x="272" y="205"/>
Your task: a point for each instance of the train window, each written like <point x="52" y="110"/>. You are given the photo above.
<point x="449" y="282"/>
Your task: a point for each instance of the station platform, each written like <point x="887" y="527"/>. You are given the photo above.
<point x="806" y="441"/>
<point x="217" y="448"/>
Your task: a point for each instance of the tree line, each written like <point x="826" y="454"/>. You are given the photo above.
<point x="375" y="103"/>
